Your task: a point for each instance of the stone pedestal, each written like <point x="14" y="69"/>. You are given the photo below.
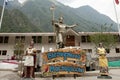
<point x="104" y="77"/>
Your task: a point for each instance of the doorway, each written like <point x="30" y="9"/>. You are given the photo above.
<point x="70" y="40"/>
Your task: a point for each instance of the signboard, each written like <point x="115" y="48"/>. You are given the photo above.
<point x="64" y="54"/>
<point x="66" y="64"/>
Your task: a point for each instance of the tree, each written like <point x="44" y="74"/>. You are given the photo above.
<point x="108" y="40"/>
<point x="19" y="48"/>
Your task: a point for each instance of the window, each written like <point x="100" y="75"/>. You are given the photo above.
<point x="19" y="38"/>
<point x="50" y="39"/>
<point x="37" y="39"/>
<point x="4" y="52"/>
<point x="6" y="38"/>
<point x="85" y="38"/>
<point x="22" y="38"/>
<point x="34" y="38"/>
<point x="117" y="50"/>
<point x="1" y="39"/>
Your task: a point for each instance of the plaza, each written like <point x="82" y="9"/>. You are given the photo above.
<point x="90" y="75"/>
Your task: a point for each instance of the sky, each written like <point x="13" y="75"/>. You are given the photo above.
<point x="21" y="1"/>
<point x="103" y="6"/>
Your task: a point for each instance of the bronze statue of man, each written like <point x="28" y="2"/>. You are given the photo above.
<point x="60" y="29"/>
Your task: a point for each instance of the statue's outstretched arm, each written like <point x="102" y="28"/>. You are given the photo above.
<point x="71" y="26"/>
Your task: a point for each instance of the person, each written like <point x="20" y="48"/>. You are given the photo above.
<point x="88" y="62"/>
<point x="38" y="56"/>
<point x="13" y="57"/>
<point x="8" y="57"/>
<point x="29" y="60"/>
<point x="103" y="62"/>
<point x="60" y="29"/>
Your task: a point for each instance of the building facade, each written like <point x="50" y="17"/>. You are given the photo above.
<point x="47" y="41"/>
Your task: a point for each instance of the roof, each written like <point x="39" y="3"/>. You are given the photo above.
<point x="52" y="33"/>
<point x="28" y="34"/>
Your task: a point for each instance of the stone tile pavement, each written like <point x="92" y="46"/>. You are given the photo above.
<point x="91" y="75"/>
<point x="8" y="75"/>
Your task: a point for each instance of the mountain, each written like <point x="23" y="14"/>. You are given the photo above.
<point x="16" y="21"/>
<point x="38" y="11"/>
<point x="92" y="15"/>
<point x="88" y="19"/>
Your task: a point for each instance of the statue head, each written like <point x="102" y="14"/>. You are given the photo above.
<point x="100" y="45"/>
<point x="61" y="19"/>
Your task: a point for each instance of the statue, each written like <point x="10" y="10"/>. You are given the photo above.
<point x="60" y="29"/>
<point x="103" y="62"/>
<point x="29" y="63"/>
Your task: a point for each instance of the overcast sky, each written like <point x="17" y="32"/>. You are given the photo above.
<point x="21" y="1"/>
<point x="103" y="6"/>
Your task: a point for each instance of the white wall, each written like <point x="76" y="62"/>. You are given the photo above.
<point x="10" y="46"/>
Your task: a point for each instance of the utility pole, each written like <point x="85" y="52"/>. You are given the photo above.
<point x="116" y="16"/>
<point x="2" y="13"/>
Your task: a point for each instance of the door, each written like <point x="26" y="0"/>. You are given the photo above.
<point x="70" y="40"/>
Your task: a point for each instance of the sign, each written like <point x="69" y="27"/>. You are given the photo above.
<point x="64" y="68"/>
<point x="64" y="61"/>
<point x="65" y="55"/>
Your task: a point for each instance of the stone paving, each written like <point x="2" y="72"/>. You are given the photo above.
<point x="92" y="75"/>
<point x="8" y="75"/>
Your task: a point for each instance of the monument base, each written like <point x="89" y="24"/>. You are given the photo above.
<point x="104" y="77"/>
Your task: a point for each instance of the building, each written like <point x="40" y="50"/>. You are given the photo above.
<point x="47" y="40"/>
